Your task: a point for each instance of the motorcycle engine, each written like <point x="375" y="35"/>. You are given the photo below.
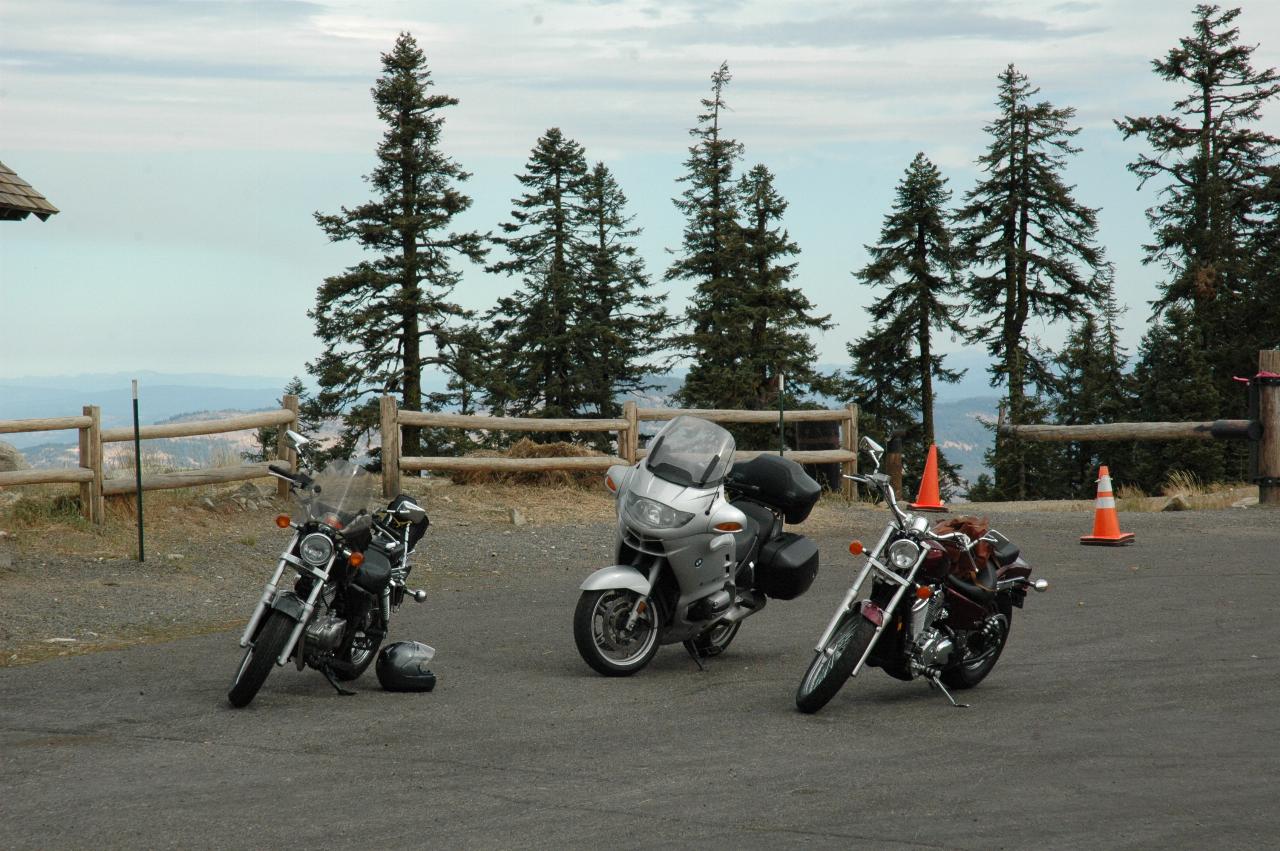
<point x="325" y="632"/>
<point x="934" y="648"/>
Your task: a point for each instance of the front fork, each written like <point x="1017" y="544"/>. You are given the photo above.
<point x="270" y="590"/>
<point x="886" y="614"/>
<point x="643" y="601"/>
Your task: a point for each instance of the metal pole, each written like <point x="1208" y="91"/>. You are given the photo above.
<point x="137" y="469"/>
<point x="782" y="389"/>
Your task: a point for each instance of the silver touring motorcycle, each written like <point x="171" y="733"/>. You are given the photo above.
<point x="700" y="547"/>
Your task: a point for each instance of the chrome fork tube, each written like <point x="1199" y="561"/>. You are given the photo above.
<point x="904" y="584"/>
<point x="853" y="591"/>
<point x="307" y="609"/>
<point x="268" y="592"/>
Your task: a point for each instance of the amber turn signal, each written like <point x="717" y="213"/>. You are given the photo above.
<point x="728" y="526"/>
<point x="855" y="547"/>
<point x="355" y="559"/>
<point x="282" y="520"/>
<point x="610" y="484"/>
<point x="923" y="592"/>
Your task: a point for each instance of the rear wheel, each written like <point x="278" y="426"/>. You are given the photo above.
<point x="979" y="661"/>
<point x="713" y="641"/>
<point x="602" y="634"/>
<point x="832" y="667"/>
<point x="260" y="658"/>
<point x="357" y="658"/>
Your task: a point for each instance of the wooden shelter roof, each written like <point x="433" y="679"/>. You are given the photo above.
<point x="19" y="200"/>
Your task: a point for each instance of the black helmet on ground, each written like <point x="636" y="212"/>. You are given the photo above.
<point x="402" y="666"/>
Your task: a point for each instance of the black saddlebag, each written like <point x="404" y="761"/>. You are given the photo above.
<point x="779" y="482"/>
<point x="375" y="573"/>
<point x="787" y="566"/>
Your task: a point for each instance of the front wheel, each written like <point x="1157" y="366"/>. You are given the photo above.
<point x="260" y="658"/>
<point x="607" y="637"/>
<point x="831" y="668"/>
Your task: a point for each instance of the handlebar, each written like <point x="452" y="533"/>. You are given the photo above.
<point x="301" y="480"/>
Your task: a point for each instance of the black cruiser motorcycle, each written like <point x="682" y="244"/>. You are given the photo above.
<point x="351" y="565"/>
<point x="940" y="605"/>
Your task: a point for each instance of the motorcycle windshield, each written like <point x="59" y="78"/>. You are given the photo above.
<point x="341" y="492"/>
<point x="691" y="452"/>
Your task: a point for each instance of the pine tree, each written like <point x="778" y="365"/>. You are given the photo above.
<point x="1173" y="377"/>
<point x="621" y="323"/>
<point x="1033" y="246"/>
<point x="744" y="325"/>
<point x="1212" y="161"/>
<point x="916" y="261"/>
<point x="536" y="328"/>
<point x="382" y="320"/>
<point x="1093" y="388"/>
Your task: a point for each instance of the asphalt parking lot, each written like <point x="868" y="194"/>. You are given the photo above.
<point x="1135" y="706"/>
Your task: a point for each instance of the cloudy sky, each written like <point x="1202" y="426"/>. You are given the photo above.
<point x="188" y="143"/>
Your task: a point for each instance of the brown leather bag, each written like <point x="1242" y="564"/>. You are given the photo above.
<point x="975" y="527"/>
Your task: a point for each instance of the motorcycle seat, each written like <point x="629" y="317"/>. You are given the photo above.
<point x="758" y="528"/>
<point x="983" y="591"/>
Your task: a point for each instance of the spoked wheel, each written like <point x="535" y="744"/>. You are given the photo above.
<point x="358" y="657"/>
<point x="713" y="641"/>
<point x="260" y="658"/>
<point x="607" y="638"/>
<point x="831" y="668"/>
<point x="979" y="661"/>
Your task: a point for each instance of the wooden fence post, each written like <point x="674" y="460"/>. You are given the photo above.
<point x="629" y="440"/>
<point x="1269" y="416"/>
<point x="92" y="505"/>
<point x="389" y="417"/>
<point x="284" y="449"/>
<point x="849" y="443"/>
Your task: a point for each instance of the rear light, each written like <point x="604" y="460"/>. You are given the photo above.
<point x="282" y="520"/>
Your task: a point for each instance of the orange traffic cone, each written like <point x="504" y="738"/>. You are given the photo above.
<point x="929" y="499"/>
<point x="1106" y="523"/>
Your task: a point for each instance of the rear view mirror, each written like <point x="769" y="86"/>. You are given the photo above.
<point x="296" y="439"/>
<point x="873" y="449"/>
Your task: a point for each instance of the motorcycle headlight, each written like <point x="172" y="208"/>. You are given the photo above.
<point x="903" y="554"/>
<point x="655" y="515"/>
<point x="316" y="549"/>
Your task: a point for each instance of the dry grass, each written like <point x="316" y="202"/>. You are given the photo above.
<point x="526" y="448"/>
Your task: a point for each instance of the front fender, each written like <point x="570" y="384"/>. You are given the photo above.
<point x="617" y="576"/>
<point x="288" y="603"/>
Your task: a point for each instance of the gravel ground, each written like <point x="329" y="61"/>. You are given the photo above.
<point x="65" y="591"/>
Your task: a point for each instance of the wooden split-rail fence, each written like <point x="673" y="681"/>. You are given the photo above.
<point x="626" y="427"/>
<point x="90" y="474"/>
<point x="94" y="486"/>
<point x="1262" y="429"/>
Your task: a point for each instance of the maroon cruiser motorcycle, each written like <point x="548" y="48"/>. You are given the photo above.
<point x="940" y="607"/>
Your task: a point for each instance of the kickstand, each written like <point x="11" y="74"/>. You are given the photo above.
<point x="328" y="675"/>
<point x="697" y="659"/>
<point x="934" y="682"/>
